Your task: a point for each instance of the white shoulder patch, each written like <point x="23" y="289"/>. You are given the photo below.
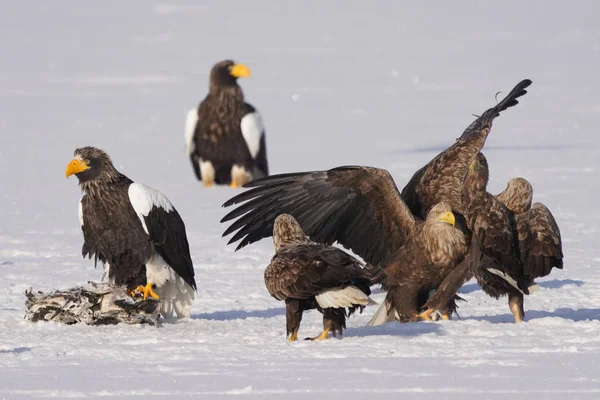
<point x="190" y="127"/>
<point x="144" y="198"/>
<point x="80" y="212"/>
<point x="252" y="130"/>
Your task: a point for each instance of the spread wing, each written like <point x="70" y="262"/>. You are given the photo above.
<point x="539" y="241"/>
<point x="359" y="207"/>
<point x="441" y="179"/>
<point x="166" y="229"/>
<point x="305" y="270"/>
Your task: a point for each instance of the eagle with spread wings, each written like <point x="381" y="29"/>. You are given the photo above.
<point x="362" y="209"/>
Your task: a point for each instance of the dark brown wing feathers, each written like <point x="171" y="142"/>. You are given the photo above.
<point x="359" y="207"/>
<point x="539" y="240"/>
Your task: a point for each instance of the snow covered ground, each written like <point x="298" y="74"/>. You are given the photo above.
<point x="372" y="83"/>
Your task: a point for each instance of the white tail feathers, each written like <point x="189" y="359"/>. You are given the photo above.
<point x="511" y="281"/>
<point x="382" y="316"/>
<point x="339" y="298"/>
<point x="176" y="296"/>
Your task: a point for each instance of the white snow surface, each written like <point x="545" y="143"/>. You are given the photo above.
<point x="387" y="84"/>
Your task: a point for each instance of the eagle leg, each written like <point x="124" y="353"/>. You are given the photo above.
<point x="207" y="183"/>
<point x="515" y="303"/>
<point x="322" y="336"/>
<point x="233" y="185"/>
<point x="146" y="291"/>
<point x="293" y="317"/>
<point x="425" y="315"/>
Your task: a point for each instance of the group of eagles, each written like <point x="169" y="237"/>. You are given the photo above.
<point x="421" y="244"/>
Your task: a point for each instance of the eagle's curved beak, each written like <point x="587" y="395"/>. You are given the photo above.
<point x="448" y="217"/>
<point x="76" y="166"/>
<point x="239" y="71"/>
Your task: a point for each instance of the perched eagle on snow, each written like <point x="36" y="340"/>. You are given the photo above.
<point x="361" y="207"/>
<point x="513" y="242"/>
<point x="225" y="136"/>
<point x="309" y="275"/>
<point x="135" y="231"/>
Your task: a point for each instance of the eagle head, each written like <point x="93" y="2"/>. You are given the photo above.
<point x="227" y="72"/>
<point x="517" y="196"/>
<point x="91" y="165"/>
<point x="286" y="230"/>
<point x="441" y="212"/>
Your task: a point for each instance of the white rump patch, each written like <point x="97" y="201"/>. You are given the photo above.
<point x="144" y="198"/>
<point x="176" y="296"/>
<point x="80" y="212"/>
<point x="382" y="316"/>
<point x="338" y="298"/>
<point x="252" y="130"/>
<point x="191" y="121"/>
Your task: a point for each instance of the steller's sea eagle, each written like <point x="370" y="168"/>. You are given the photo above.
<point x="308" y="275"/>
<point x="135" y="231"/>
<point x="224" y="135"/>
<point x="513" y="242"/>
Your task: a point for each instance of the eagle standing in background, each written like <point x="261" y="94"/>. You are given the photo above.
<point x="135" y="231"/>
<point x="225" y="136"/>
<point x="309" y="275"/>
<point x="513" y="242"/>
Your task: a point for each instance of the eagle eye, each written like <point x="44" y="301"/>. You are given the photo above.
<point x="87" y="162"/>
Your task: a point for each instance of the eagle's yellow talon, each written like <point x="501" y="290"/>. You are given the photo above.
<point x="233" y="185"/>
<point x="446" y="317"/>
<point x="322" y="336"/>
<point x="147" y="291"/>
<point x="294" y="336"/>
<point x="207" y="183"/>
<point x="425" y="315"/>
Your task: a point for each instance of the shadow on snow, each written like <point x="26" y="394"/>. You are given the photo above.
<point x="552" y="284"/>
<point x="582" y="314"/>
<point x="395" y="329"/>
<point x="240" y="314"/>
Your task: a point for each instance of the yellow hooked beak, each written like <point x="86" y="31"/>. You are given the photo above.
<point x="239" y="71"/>
<point x="448" y="217"/>
<point x="76" y="166"/>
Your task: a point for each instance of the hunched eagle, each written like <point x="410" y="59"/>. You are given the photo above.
<point x="513" y="242"/>
<point x="135" y="231"/>
<point x="308" y="275"/>
<point x="224" y="135"/>
<point x="420" y="266"/>
<point x="361" y="207"/>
